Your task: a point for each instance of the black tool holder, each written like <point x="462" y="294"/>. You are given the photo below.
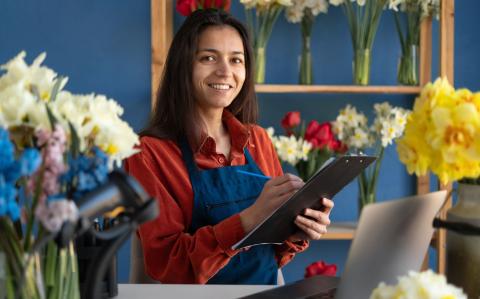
<point x="87" y="248"/>
<point x="458" y="227"/>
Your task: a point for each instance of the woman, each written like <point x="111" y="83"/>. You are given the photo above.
<point x="202" y="131"/>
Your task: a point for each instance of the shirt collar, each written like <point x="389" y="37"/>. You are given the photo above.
<point x="239" y="135"/>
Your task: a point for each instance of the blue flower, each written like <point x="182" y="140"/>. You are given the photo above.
<point x="30" y="161"/>
<point x="7" y="151"/>
<point x="88" y="172"/>
<point x="8" y="205"/>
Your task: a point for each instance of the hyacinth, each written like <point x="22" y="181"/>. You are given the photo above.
<point x="52" y="145"/>
<point x="11" y="169"/>
<point x="424" y="285"/>
<point x="53" y="214"/>
<point x="290" y="148"/>
<point x="296" y="12"/>
<point x="443" y="133"/>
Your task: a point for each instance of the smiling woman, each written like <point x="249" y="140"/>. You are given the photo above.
<point x="202" y="132"/>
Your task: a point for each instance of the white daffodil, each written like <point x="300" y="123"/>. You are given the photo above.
<point x="294" y="14"/>
<point x="15" y="103"/>
<point x="318" y="6"/>
<point x="428" y="284"/>
<point x="336" y="2"/>
<point x="359" y="139"/>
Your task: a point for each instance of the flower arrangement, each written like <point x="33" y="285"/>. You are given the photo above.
<point x="411" y="12"/>
<point x="261" y="16"/>
<point x="320" y="268"/>
<point x="186" y="7"/>
<point x="443" y="134"/>
<point x="352" y="128"/>
<point x="304" y="12"/>
<point x="54" y="147"/>
<point x="305" y="149"/>
<point x="363" y="18"/>
<point x="425" y="285"/>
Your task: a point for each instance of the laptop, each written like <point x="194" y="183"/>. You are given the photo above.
<point x="391" y="239"/>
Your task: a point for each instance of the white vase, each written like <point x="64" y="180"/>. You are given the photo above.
<point x="463" y="251"/>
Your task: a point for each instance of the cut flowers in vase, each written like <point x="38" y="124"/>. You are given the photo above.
<point x="304" y="12"/>
<point x="352" y="128"/>
<point x="320" y="268"/>
<point x="363" y="18"/>
<point x="54" y="147"/>
<point x="261" y="16"/>
<point x="305" y="148"/>
<point x="408" y="16"/>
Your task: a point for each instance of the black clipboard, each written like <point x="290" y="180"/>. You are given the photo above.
<point x="328" y="181"/>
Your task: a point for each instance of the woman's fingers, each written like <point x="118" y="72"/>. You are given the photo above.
<point x="320" y="217"/>
<point x="327" y="205"/>
<point x="284" y="184"/>
<point x="312" y="229"/>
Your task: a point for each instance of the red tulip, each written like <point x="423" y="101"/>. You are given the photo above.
<point x="290" y="121"/>
<point x="185" y="7"/>
<point x="319" y="135"/>
<point x="320" y="268"/>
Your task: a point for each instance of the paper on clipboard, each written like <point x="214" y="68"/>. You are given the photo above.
<point x="331" y="177"/>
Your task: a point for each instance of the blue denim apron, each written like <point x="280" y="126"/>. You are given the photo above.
<point x="220" y="193"/>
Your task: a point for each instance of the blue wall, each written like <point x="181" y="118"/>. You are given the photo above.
<point x="104" y="47"/>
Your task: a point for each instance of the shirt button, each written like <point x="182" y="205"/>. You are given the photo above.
<point x="221" y="160"/>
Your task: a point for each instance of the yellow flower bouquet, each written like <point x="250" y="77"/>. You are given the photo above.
<point x="443" y="134"/>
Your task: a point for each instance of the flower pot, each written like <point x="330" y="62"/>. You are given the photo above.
<point x="463" y="251"/>
<point x="361" y="67"/>
<point x="407" y="73"/>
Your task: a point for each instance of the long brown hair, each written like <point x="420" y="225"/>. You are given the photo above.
<point x="175" y="110"/>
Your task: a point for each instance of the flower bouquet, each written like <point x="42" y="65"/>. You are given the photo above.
<point x="304" y="12"/>
<point x="351" y="127"/>
<point x="443" y="135"/>
<point x="260" y="24"/>
<point x="54" y="147"/>
<point x="305" y="149"/>
<point x="186" y="7"/>
<point x="363" y="18"/>
<point x="424" y="285"/>
<point x="411" y="12"/>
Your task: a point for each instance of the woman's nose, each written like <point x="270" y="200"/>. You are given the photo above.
<point x="223" y="68"/>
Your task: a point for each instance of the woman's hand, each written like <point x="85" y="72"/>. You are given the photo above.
<point x="314" y="226"/>
<point x="274" y="193"/>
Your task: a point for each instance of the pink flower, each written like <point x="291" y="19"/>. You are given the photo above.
<point x="53" y="214"/>
<point x="320" y="268"/>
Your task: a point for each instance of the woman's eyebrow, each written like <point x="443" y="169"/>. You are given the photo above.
<point x="216" y="51"/>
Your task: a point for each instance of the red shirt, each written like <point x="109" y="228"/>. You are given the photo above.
<point x="171" y="254"/>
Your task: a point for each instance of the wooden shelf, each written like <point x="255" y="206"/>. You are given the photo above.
<point x="381" y="89"/>
<point x="340" y="231"/>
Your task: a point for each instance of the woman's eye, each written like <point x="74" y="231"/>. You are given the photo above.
<point x="207" y="58"/>
<point x="237" y="60"/>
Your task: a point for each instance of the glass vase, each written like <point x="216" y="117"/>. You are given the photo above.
<point x="463" y="251"/>
<point x="260" y="61"/>
<point x="51" y="273"/>
<point x="306" y="73"/>
<point x="407" y="73"/>
<point x="361" y="67"/>
<point x="365" y="196"/>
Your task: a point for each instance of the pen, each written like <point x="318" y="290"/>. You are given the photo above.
<point x="254" y="174"/>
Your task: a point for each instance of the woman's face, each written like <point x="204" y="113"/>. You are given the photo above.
<point x="218" y="67"/>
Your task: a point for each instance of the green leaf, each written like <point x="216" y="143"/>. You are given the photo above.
<point x="75" y="146"/>
<point x="56" y="88"/>
<point x="51" y="118"/>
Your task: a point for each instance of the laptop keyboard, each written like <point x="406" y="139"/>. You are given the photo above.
<point x="328" y="295"/>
